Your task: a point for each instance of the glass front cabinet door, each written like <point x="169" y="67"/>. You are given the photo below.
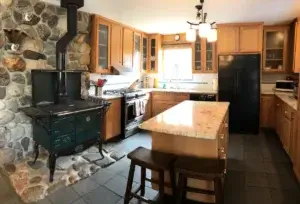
<point x="100" y="59"/>
<point x="145" y="54"/>
<point x="275" y="48"/>
<point x="137" y="51"/>
<point x="204" y="56"/>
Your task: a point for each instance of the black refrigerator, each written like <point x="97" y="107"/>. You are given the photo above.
<point x="239" y="84"/>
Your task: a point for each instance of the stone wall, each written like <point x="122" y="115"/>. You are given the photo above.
<point x="37" y="39"/>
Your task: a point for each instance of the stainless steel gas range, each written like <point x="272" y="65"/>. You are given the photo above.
<point x="132" y="113"/>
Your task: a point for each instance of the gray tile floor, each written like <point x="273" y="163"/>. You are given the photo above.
<point x="259" y="172"/>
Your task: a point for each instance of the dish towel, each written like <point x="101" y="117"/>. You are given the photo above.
<point x="142" y="104"/>
<point x="137" y="108"/>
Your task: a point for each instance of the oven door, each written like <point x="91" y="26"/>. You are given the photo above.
<point x="129" y="112"/>
<point x="131" y="120"/>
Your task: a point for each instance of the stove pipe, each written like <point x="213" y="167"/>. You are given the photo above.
<point x="72" y="6"/>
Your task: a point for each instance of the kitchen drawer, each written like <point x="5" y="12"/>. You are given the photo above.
<point x="287" y="111"/>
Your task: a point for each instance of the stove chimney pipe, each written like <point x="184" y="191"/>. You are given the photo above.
<point x="72" y="6"/>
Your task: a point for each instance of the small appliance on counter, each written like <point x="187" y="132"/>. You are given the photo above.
<point x="285" y="85"/>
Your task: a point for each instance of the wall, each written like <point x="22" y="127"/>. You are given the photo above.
<point x="37" y="39"/>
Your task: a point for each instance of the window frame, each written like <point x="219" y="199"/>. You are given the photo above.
<point x="176" y="47"/>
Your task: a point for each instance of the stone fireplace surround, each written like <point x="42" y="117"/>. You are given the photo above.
<point x="47" y="25"/>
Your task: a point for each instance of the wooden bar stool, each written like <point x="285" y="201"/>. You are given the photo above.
<point x="153" y="160"/>
<point x="202" y="169"/>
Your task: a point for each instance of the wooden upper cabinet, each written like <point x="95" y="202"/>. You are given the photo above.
<point x="204" y="56"/>
<point x="100" y="44"/>
<point x="240" y="38"/>
<point x="116" y="44"/>
<point x="228" y="39"/>
<point x="137" y="51"/>
<point x="155" y="53"/>
<point x="128" y="47"/>
<point x="275" y="49"/>
<point x="145" y="52"/>
<point x="251" y="38"/>
<point x="296" y="58"/>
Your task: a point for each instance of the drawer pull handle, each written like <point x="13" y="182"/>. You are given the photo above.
<point x="222" y="149"/>
<point x="224" y="156"/>
<point x="88" y="119"/>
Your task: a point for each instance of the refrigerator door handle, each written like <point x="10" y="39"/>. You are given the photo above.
<point x="237" y="80"/>
<point x="235" y="83"/>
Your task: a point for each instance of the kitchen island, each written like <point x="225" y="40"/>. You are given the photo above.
<point x="191" y="128"/>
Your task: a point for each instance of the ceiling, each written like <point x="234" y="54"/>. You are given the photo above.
<point x="170" y="16"/>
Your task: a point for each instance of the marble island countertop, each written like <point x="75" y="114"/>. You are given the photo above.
<point x="195" y="119"/>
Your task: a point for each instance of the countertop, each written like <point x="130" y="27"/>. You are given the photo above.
<point x="149" y="90"/>
<point x="202" y="91"/>
<point x="195" y="119"/>
<point x="107" y="97"/>
<point x="286" y="97"/>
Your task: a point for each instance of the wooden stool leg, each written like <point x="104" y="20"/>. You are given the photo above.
<point x="219" y="191"/>
<point x="180" y="188"/>
<point x="184" y="187"/>
<point x="143" y="180"/>
<point x="173" y="182"/>
<point x="129" y="184"/>
<point x="161" y="186"/>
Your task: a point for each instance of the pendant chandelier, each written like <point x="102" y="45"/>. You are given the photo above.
<point x="205" y="30"/>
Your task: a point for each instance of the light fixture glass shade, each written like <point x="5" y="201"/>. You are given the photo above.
<point x="204" y="30"/>
<point x="213" y="35"/>
<point x="191" y="35"/>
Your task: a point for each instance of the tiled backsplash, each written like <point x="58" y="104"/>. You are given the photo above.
<point x="199" y="81"/>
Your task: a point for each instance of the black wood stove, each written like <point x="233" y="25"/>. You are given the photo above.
<point x="63" y="123"/>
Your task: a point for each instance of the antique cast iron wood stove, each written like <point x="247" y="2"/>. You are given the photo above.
<point x="63" y="123"/>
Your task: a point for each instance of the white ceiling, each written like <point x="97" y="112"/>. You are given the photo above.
<point x="170" y="16"/>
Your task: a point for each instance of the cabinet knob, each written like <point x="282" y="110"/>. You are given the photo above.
<point x="226" y="125"/>
<point x="277" y="104"/>
<point x="222" y="149"/>
<point x="222" y="136"/>
<point x="285" y="112"/>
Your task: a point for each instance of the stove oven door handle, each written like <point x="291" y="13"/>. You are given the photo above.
<point x="130" y="103"/>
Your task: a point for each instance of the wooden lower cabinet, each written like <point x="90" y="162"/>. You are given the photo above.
<point x="286" y="133"/>
<point x="267" y="114"/>
<point x="112" y="120"/>
<point x="286" y="126"/>
<point x="162" y="101"/>
<point x="278" y="116"/>
<point x="297" y="150"/>
<point x="294" y="138"/>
